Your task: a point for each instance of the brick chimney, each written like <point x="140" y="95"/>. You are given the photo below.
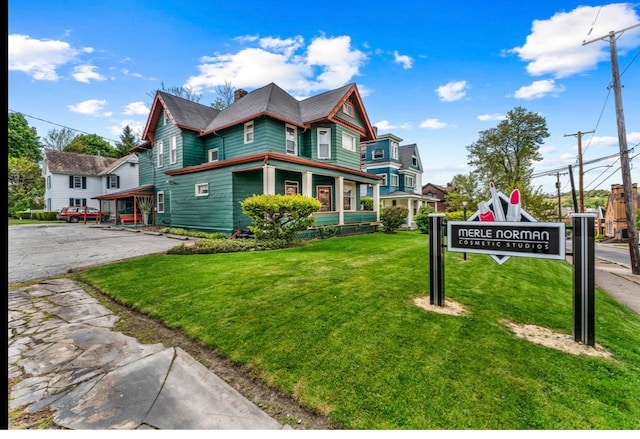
<point x="238" y="94"/>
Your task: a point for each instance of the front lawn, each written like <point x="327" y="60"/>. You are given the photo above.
<point x="334" y="323"/>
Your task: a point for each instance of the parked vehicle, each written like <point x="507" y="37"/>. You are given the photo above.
<point x="73" y="214"/>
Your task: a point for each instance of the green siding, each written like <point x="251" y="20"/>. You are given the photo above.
<point x="245" y="185"/>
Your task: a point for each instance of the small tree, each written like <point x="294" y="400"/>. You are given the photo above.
<point x="393" y="217"/>
<point x="422" y="218"/>
<point x="367" y="203"/>
<point x="280" y="216"/>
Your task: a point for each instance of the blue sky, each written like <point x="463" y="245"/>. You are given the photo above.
<point x="433" y="74"/>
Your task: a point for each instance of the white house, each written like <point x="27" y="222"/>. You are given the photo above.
<point x="73" y="179"/>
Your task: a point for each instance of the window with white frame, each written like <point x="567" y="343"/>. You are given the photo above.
<point x="394" y="180"/>
<point x="173" y="150"/>
<point x="348" y="142"/>
<point x="164" y="118"/>
<point x="160" y="153"/>
<point x="160" y="204"/>
<point x="324" y="143"/>
<point x="202" y="189"/>
<point x="378" y="153"/>
<point x="349" y="196"/>
<point x="213" y="155"/>
<point x="248" y="132"/>
<point x="113" y="181"/>
<point x="408" y="181"/>
<point x="394" y="150"/>
<point x="384" y="179"/>
<point x="291" y="135"/>
<point x="78" y="182"/>
<point x="414" y="160"/>
<point x="347" y="109"/>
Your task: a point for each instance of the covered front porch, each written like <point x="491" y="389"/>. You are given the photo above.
<point x="133" y="207"/>
<point x="412" y="201"/>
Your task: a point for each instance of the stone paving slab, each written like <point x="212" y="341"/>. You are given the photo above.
<point x="91" y="377"/>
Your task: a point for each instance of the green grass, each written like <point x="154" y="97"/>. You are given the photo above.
<point x="333" y="323"/>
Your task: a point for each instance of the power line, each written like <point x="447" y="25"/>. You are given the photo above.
<point x="63" y="126"/>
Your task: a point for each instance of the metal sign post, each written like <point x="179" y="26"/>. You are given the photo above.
<point x="583" y="242"/>
<point x="436" y="259"/>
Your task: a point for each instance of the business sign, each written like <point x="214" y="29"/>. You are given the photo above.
<point x="501" y="228"/>
<point x="527" y="239"/>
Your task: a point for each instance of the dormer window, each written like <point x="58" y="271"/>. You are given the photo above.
<point x="347" y="109"/>
<point x="378" y="153"/>
<point x="394" y="150"/>
<point x="414" y="160"/>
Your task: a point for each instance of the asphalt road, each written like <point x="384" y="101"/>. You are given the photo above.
<point x="42" y="251"/>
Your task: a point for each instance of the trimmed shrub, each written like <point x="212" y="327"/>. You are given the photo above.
<point x="210" y="246"/>
<point x="393" y="217"/>
<point x="280" y="216"/>
<point x="422" y="218"/>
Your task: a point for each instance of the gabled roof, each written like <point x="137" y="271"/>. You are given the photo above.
<point x="406" y="153"/>
<point x="72" y="163"/>
<point x="131" y="158"/>
<point x="185" y="114"/>
<point x="270" y="100"/>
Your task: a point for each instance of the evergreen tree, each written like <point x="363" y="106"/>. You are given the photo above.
<point x="128" y="140"/>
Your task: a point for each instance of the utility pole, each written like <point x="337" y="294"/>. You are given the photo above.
<point x="559" y="197"/>
<point x="580" y="170"/>
<point x="629" y="195"/>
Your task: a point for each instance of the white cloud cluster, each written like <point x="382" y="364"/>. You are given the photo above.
<point x="538" y="89"/>
<point x="555" y="46"/>
<point x="90" y="107"/>
<point x="385" y="125"/>
<point x="434" y="124"/>
<point x="405" y="60"/>
<point x="491" y="117"/>
<point x="86" y="73"/>
<point x="326" y="63"/>
<point x="40" y="59"/>
<point x="453" y="91"/>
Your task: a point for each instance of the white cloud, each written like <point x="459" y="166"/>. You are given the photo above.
<point x="538" y="89"/>
<point x="85" y="73"/>
<point x="136" y="126"/>
<point x="555" y="45"/>
<point x="491" y="117"/>
<point x="385" y="125"/>
<point x="91" y="107"/>
<point x="405" y="60"/>
<point x="453" y="91"/>
<point x="433" y="124"/>
<point x="331" y="61"/>
<point x="136" y="108"/>
<point x="40" y="59"/>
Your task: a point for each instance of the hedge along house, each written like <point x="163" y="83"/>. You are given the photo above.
<point x="202" y="162"/>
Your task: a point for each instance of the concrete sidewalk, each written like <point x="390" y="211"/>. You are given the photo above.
<point x="619" y="282"/>
<point x="93" y="378"/>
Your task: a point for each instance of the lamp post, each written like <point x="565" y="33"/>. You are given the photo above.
<point x="464" y="218"/>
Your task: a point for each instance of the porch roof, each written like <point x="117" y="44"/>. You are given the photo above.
<point x="138" y="191"/>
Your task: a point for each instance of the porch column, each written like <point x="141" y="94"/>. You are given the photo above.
<point x="307" y="185"/>
<point x="410" y="215"/>
<point x="268" y="180"/>
<point x="376" y="201"/>
<point x="340" y="199"/>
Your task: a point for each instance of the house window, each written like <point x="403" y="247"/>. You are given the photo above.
<point x="414" y="160"/>
<point x="164" y="118"/>
<point x="78" y="202"/>
<point x="160" y="204"/>
<point x="213" y="155"/>
<point x="113" y="182"/>
<point x="408" y="181"/>
<point x="347" y="109"/>
<point x="173" y="150"/>
<point x="349" y="197"/>
<point x="394" y="180"/>
<point x="248" y="132"/>
<point x="202" y="189"/>
<point x="324" y="143"/>
<point x="324" y="196"/>
<point x="363" y="153"/>
<point x="348" y="142"/>
<point x="291" y="139"/>
<point x="378" y="153"/>
<point x="290" y="187"/>
<point x="394" y="150"/>
<point x="160" y="154"/>
<point x="384" y="179"/>
<point x="77" y="182"/>
<point x="48" y="182"/>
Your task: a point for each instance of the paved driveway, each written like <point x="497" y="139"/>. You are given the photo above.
<point x="41" y="251"/>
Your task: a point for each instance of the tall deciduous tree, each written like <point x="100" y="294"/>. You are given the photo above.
<point x="26" y="185"/>
<point x="466" y="188"/>
<point x="180" y="91"/>
<point x="128" y="140"/>
<point x="505" y="155"/>
<point x="58" y="139"/>
<point x="91" y="144"/>
<point x="22" y="140"/>
<point x="226" y="96"/>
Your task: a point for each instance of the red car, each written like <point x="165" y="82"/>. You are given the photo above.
<point x="73" y="214"/>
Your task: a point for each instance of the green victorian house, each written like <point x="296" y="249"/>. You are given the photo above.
<point x="197" y="163"/>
